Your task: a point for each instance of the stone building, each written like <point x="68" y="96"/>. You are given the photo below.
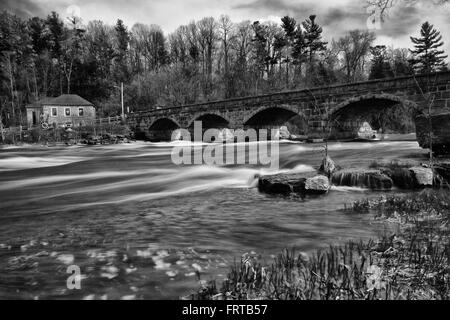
<point x="65" y="110"/>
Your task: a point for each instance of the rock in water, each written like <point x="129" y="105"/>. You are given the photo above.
<point x="281" y="184"/>
<point x="371" y="179"/>
<point x="275" y="185"/>
<point x="328" y="166"/>
<point x="423" y="176"/>
<point x="317" y="185"/>
<point x="418" y="177"/>
<point x="302" y="184"/>
<point x="403" y="178"/>
<point x="284" y="133"/>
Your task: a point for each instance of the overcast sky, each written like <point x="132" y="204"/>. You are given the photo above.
<point x="337" y="16"/>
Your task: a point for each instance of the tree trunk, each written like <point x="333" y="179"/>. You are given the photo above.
<point x="11" y="83"/>
<point x="1" y="127"/>
<point x="36" y="89"/>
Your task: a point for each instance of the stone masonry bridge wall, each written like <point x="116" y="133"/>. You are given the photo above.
<point x="317" y="105"/>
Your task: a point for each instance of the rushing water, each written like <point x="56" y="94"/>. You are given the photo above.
<point x="139" y="226"/>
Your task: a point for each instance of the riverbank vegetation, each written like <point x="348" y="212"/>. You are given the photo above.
<point x="89" y="134"/>
<point x="411" y="261"/>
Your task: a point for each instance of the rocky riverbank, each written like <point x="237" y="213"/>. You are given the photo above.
<point x="382" y="177"/>
<point x="89" y="135"/>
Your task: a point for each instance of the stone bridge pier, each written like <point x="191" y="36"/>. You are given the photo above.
<point x="334" y="111"/>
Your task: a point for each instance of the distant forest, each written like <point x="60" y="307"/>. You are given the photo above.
<point x="205" y="60"/>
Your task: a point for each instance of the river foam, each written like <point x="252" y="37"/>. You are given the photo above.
<point x="21" y="163"/>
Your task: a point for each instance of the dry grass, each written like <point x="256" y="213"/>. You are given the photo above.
<point x="411" y="264"/>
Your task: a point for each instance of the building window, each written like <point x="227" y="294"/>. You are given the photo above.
<point x="67" y="112"/>
<point x="80" y="112"/>
<point x="54" y="112"/>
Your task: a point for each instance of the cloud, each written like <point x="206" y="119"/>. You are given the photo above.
<point x="406" y="20"/>
<point x="337" y="17"/>
<point x="401" y="21"/>
<point x="23" y="8"/>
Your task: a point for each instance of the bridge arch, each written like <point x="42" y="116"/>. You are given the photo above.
<point x="163" y="122"/>
<point x="161" y="129"/>
<point x="210" y="119"/>
<point x="381" y="96"/>
<point x="348" y="116"/>
<point x="275" y="115"/>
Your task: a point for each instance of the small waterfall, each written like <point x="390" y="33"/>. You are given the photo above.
<point x="370" y="179"/>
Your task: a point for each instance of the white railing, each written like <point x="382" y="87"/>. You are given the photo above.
<point x="109" y="120"/>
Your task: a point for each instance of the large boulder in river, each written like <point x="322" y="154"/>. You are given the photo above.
<point x="281" y="184"/>
<point x="287" y="184"/>
<point x="370" y="179"/>
<point x="317" y="185"/>
<point x="417" y="177"/>
<point x="328" y="167"/>
<point x="423" y="176"/>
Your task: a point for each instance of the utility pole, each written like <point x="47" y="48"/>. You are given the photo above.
<point x="121" y="98"/>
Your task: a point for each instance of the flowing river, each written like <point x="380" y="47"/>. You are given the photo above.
<point x="140" y="227"/>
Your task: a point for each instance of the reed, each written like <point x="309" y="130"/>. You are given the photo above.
<point x="412" y="263"/>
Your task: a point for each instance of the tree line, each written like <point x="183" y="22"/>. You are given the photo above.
<point x="204" y="60"/>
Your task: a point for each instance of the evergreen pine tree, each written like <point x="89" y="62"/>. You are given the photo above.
<point x="57" y="31"/>
<point x="123" y="40"/>
<point x="299" y="48"/>
<point x="313" y="37"/>
<point x="313" y="44"/>
<point x="289" y="26"/>
<point x="296" y="41"/>
<point x="427" y="55"/>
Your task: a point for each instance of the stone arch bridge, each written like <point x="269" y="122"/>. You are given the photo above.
<point x="342" y="108"/>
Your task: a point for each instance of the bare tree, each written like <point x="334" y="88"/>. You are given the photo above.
<point x="72" y="48"/>
<point x="140" y="37"/>
<point x="7" y="61"/>
<point x="1" y="120"/>
<point x="208" y="36"/>
<point x="354" y="48"/>
<point x="226" y="34"/>
<point x="178" y="46"/>
<point x="149" y="46"/>
<point x="427" y="113"/>
<point x="329" y="122"/>
<point x="241" y="42"/>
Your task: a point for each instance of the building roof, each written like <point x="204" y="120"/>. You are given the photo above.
<point x="68" y="100"/>
<point x="40" y="102"/>
<point x="63" y="100"/>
